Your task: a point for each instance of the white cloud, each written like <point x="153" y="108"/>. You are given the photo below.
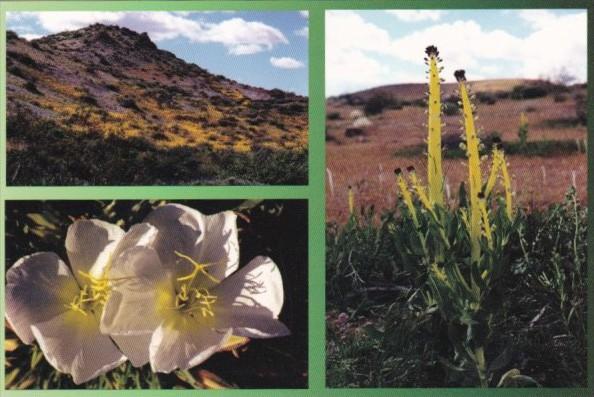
<point x="286" y="63"/>
<point x="238" y="33"/>
<point x="416" y="15"/>
<point x="304" y="14"/>
<point x="30" y="36"/>
<point x="348" y="30"/>
<point x="360" y="54"/>
<point x="350" y="44"/>
<point x="239" y="36"/>
<point x="303" y="32"/>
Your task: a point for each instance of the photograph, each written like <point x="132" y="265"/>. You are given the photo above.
<point x="456" y="198"/>
<point x="156" y="294"/>
<point x="156" y="98"/>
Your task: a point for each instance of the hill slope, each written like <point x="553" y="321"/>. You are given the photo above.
<point x="115" y="82"/>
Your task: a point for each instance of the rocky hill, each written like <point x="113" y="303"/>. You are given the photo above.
<point x="113" y="81"/>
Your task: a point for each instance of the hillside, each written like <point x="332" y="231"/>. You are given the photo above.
<point x="415" y="91"/>
<point x="113" y="81"/>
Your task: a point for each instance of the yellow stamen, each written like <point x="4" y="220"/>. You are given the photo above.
<point x="92" y="296"/>
<point x="190" y="299"/>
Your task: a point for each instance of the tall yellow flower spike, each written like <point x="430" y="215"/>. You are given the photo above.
<point x="434" y="167"/>
<point x="474" y="167"/>
<point x="485" y="217"/>
<point x="497" y="157"/>
<point x="406" y="196"/>
<point x="419" y="189"/>
<point x="499" y="165"/>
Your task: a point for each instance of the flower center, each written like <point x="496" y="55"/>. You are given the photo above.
<point x="92" y="295"/>
<point x="191" y="300"/>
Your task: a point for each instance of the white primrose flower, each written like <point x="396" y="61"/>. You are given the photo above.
<point x="184" y="290"/>
<point x="61" y="306"/>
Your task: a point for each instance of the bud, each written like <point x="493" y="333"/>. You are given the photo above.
<point x="460" y="75"/>
<point x="431" y="51"/>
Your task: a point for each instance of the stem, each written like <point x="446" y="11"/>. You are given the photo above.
<point x="481" y="368"/>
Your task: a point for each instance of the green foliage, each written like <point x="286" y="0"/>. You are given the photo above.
<point x="378" y="280"/>
<point x="274" y="228"/>
<point x="49" y="155"/>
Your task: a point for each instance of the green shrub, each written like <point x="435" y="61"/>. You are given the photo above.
<point x="54" y="156"/>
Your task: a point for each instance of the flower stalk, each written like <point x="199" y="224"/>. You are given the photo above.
<point x="474" y="167"/>
<point x="434" y="168"/>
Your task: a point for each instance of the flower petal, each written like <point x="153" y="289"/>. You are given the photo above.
<point x="220" y="246"/>
<point x="89" y="244"/>
<point x="138" y="281"/>
<point x="71" y="343"/>
<point x="178" y="347"/>
<point x="180" y="229"/>
<point x="141" y="234"/>
<point x="38" y="287"/>
<point x="251" y="299"/>
<point x="135" y="348"/>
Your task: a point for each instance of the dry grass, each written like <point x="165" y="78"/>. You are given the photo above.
<point x="367" y="162"/>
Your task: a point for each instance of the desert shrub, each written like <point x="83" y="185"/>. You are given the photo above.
<point x="581" y="111"/>
<point x="487" y="98"/>
<point x="112" y="87"/>
<point x="502" y="94"/>
<point x="333" y="116"/>
<point x="229" y="121"/>
<point x="128" y="103"/>
<point x="520" y="92"/>
<point x="450" y="108"/>
<point x="294" y="108"/>
<point x="379" y="102"/>
<point x="15" y="70"/>
<point x="559" y="98"/>
<point x="25" y="59"/>
<point x="54" y="156"/>
<point x="32" y="88"/>
<point x="89" y="99"/>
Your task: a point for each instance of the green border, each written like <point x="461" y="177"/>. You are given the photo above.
<point x="314" y="192"/>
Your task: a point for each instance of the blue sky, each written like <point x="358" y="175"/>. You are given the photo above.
<point x="265" y="49"/>
<point x="368" y="48"/>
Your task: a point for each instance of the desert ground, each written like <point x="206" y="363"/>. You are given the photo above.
<point x="366" y="161"/>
